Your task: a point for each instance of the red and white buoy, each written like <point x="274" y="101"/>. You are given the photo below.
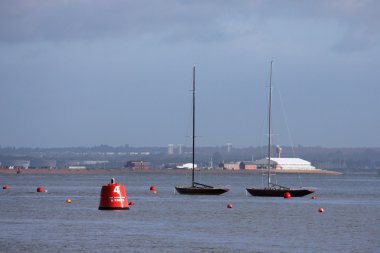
<point x="40" y="189"/>
<point x="313" y="197"/>
<point x="229" y="205"/>
<point x="321" y="210"/>
<point x="287" y="195"/>
<point x="113" y="197"/>
<point x="153" y="190"/>
<point x="6" y="187"/>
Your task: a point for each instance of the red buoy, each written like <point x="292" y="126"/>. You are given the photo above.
<point x="229" y="205"/>
<point x="313" y="197"/>
<point x="131" y="203"/>
<point x="39" y="189"/>
<point x="321" y="210"/>
<point x="113" y="197"/>
<point x="153" y="188"/>
<point x="6" y="187"/>
<point x="287" y="195"/>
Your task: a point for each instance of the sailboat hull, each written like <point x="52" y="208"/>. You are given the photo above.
<point x="189" y="190"/>
<point x="274" y="192"/>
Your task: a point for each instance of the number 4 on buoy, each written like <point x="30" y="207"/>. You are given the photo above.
<point x="117" y="189"/>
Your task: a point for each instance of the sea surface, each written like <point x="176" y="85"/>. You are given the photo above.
<point x="168" y="222"/>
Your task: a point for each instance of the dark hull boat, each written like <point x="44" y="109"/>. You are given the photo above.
<point x="200" y="189"/>
<point x="279" y="192"/>
<point x="275" y="190"/>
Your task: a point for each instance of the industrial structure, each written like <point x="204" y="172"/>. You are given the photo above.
<point x="138" y="165"/>
<point x="188" y="166"/>
<point x="240" y="166"/>
<point x="285" y="164"/>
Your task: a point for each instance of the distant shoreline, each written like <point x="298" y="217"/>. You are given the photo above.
<point x="164" y="171"/>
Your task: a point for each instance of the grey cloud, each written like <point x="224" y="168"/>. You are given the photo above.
<point x="65" y="20"/>
<point x="67" y="51"/>
<point x="174" y="20"/>
<point x="361" y="22"/>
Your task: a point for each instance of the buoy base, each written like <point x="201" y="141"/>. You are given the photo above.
<point x="113" y="208"/>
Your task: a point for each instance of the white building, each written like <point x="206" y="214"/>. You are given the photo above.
<point x="170" y="149"/>
<point x="186" y="166"/>
<point x="285" y="164"/>
<point x="180" y="149"/>
<point x="21" y="163"/>
<point x="77" y="167"/>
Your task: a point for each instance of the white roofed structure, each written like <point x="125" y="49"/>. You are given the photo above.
<point x="186" y="166"/>
<point x="285" y="164"/>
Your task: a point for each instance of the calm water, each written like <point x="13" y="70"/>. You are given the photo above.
<point x="168" y="222"/>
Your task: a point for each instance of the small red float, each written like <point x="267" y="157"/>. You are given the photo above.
<point x="229" y="205"/>
<point x="113" y="197"/>
<point x="287" y="195"/>
<point x="39" y="189"/>
<point x="313" y="197"/>
<point x="321" y="210"/>
<point x="131" y="203"/>
<point x="153" y="188"/>
<point x="6" y="187"/>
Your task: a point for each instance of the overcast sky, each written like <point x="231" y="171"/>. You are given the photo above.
<point x="90" y="72"/>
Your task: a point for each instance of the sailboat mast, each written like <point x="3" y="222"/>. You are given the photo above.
<point x="270" y="124"/>
<point x="192" y="176"/>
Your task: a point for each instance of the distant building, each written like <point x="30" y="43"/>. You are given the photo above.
<point x="186" y="166"/>
<point x="170" y="149"/>
<point x="180" y="151"/>
<point x="239" y="166"/>
<point x="51" y="164"/>
<point x="232" y="166"/>
<point x="249" y="166"/>
<point x="229" y="147"/>
<point x="138" y="165"/>
<point x="77" y="167"/>
<point x="168" y="166"/>
<point x="72" y="163"/>
<point x="93" y="162"/>
<point x="21" y="164"/>
<point x="285" y="164"/>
